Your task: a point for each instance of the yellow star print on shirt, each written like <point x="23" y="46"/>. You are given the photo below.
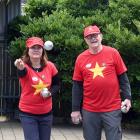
<point x="39" y="87"/>
<point x="97" y="71"/>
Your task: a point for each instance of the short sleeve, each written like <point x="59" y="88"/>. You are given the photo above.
<point x="77" y="75"/>
<point x="53" y="68"/>
<point x="119" y="63"/>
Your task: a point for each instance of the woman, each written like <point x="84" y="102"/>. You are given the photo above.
<point x="39" y="82"/>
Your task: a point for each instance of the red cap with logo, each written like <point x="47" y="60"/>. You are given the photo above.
<point x="32" y="41"/>
<point x="91" y="30"/>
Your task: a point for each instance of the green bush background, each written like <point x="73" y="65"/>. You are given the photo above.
<point x="62" y="21"/>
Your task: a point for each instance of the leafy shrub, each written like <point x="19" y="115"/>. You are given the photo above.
<point x="35" y="8"/>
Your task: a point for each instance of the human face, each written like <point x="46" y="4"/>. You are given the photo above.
<point x="35" y="52"/>
<point x="93" y="40"/>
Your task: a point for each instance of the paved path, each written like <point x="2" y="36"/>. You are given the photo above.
<point x="12" y="131"/>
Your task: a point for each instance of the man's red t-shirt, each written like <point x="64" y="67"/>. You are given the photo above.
<point x="101" y="92"/>
<point x="31" y="85"/>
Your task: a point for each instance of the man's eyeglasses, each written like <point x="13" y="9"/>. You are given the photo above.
<point x="91" y="36"/>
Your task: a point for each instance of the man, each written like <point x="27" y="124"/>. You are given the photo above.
<point x="99" y="74"/>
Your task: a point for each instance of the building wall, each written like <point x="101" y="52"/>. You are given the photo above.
<point x="9" y="85"/>
<point x="7" y="13"/>
<point x="2" y="19"/>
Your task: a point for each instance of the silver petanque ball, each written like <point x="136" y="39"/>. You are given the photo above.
<point x="124" y="109"/>
<point x="45" y="93"/>
<point x="77" y="121"/>
<point x="48" y="45"/>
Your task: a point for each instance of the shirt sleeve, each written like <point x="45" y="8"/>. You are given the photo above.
<point x="53" y="68"/>
<point x="22" y="73"/>
<point x="77" y="75"/>
<point x="119" y="64"/>
<point x="55" y="86"/>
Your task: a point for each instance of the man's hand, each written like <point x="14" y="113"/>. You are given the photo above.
<point x="126" y="103"/>
<point x="19" y="64"/>
<point x="76" y="117"/>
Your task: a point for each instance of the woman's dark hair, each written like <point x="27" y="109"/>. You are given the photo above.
<point x="26" y="58"/>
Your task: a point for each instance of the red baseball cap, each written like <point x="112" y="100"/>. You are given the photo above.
<point x="91" y="30"/>
<point x="34" y="41"/>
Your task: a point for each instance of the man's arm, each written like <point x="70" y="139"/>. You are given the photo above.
<point x="124" y="86"/>
<point x="125" y="90"/>
<point x="77" y="95"/>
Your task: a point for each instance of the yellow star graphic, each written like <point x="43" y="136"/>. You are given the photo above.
<point x="39" y="87"/>
<point x="98" y="71"/>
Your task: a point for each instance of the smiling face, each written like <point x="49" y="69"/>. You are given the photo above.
<point x="35" y="52"/>
<point x="93" y="40"/>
